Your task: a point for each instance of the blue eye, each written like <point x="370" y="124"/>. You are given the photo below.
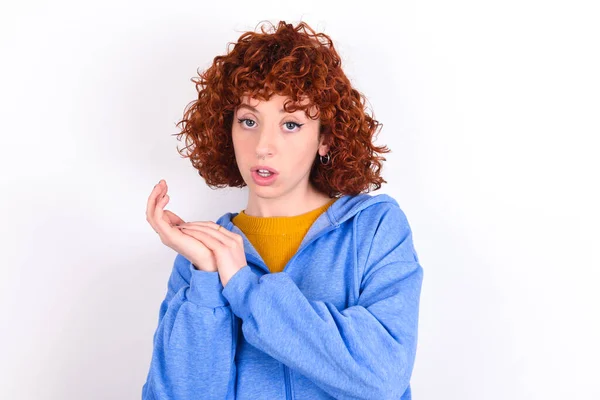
<point x="293" y="124"/>
<point x="241" y="121"/>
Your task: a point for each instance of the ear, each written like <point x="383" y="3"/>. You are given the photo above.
<point x="323" y="148"/>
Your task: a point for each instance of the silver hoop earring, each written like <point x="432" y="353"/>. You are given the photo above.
<point x="328" y="158"/>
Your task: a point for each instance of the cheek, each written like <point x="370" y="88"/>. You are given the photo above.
<point x="238" y="144"/>
<point x="302" y="159"/>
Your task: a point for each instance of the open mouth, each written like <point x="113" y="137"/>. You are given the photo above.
<point x="263" y="179"/>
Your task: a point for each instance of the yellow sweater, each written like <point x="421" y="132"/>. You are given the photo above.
<point x="277" y="238"/>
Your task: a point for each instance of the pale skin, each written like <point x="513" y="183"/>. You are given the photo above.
<point x="227" y="248"/>
<point x="264" y="134"/>
<point x="289" y="143"/>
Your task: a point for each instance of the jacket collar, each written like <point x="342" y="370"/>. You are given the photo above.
<point x="340" y="211"/>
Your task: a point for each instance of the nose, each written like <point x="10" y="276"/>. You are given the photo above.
<point x="267" y="138"/>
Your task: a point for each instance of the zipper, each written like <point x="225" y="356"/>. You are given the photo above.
<point x="288" y="390"/>
<point x="263" y="266"/>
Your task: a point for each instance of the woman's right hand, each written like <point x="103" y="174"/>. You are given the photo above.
<point x="162" y="222"/>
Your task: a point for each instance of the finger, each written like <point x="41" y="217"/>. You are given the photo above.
<point x="203" y="223"/>
<point x="212" y="225"/>
<point x="173" y="218"/>
<point x="210" y="242"/>
<point x="152" y="200"/>
<point x="211" y="233"/>
<point x="151" y="204"/>
<point x="158" y="213"/>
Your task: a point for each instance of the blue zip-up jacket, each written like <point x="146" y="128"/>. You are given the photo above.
<point x="340" y="321"/>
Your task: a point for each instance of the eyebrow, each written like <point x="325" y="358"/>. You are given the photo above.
<point x="243" y="105"/>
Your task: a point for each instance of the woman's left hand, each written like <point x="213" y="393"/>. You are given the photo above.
<point x="227" y="247"/>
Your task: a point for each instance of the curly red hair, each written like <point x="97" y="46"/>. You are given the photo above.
<point x="297" y="63"/>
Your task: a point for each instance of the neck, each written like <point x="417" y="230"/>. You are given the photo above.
<point x="287" y="205"/>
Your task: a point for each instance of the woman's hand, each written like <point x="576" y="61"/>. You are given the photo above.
<point x="227" y="247"/>
<point x="163" y="221"/>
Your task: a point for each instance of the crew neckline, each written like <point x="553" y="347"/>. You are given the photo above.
<point x="279" y="225"/>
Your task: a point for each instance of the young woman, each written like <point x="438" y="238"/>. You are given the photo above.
<point x="312" y="291"/>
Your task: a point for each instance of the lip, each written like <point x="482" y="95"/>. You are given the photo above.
<point x="257" y="167"/>
<point x="261" y="181"/>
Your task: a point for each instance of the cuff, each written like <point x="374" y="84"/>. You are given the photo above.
<point x="205" y="288"/>
<point x="238" y="290"/>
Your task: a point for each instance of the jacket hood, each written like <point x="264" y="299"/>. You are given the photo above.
<point x="346" y="207"/>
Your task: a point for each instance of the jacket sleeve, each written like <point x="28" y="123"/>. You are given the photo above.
<point x="366" y="351"/>
<point x="195" y="341"/>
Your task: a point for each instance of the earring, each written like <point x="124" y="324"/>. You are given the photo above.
<point x="328" y="158"/>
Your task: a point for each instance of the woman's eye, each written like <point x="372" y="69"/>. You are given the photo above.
<point x="292" y="125"/>
<point x="241" y="121"/>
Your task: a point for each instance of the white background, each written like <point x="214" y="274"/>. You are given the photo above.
<point x="491" y="110"/>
